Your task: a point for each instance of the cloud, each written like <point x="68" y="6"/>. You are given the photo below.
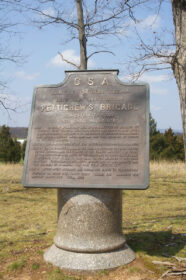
<point x="159" y="91"/>
<point x="147" y="78"/>
<point x="154" y="78"/>
<point x="15" y="103"/>
<point x="8" y="97"/>
<point x="152" y="21"/>
<point x="23" y="75"/>
<point x="68" y="55"/>
<point x="156" y="108"/>
<point x="48" y="12"/>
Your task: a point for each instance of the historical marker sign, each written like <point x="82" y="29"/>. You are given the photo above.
<point x="91" y="131"/>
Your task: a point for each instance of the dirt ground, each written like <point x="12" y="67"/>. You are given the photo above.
<point x="134" y="271"/>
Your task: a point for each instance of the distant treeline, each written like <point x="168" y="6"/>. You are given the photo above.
<point x="10" y="149"/>
<point x="18" y="132"/>
<point x="167" y="145"/>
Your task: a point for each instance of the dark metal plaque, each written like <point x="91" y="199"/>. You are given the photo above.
<point x="91" y="131"/>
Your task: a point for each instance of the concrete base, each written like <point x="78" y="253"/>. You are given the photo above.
<point x="89" y="261"/>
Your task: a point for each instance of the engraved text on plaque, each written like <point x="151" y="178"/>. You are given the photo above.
<point x="91" y="131"/>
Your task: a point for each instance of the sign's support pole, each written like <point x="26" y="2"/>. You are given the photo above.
<point x="89" y="234"/>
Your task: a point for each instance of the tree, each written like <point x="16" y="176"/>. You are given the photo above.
<point x="153" y="126"/>
<point x="174" y="147"/>
<point x="180" y="148"/>
<point x="10" y="149"/>
<point x="90" y="20"/>
<point x="170" y="150"/>
<point x="161" y="54"/>
<point x="15" y="152"/>
<point x="85" y="21"/>
<point x="157" y="146"/>
<point x="170" y="136"/>
<point x="179" y="59"/>
<point x="8" y="28"/>
<point x="157" y="141"/>
<point x="23" y="149"/>
<point x="166" y="145"/>
<point x="5" y="143"/>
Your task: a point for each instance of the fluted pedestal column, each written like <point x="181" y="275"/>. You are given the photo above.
<point x="89" y="234"/>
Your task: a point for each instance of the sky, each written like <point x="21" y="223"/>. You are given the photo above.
<point x="42" y="65"/>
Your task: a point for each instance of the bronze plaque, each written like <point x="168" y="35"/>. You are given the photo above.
<point x="91" y="131"/>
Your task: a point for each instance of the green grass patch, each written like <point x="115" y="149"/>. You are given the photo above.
<point x="157" y="270"/>
<point x="18" y="264"/>
<point x="134" y="270"/>
<point x="103" y="272"/>
<point x="35" y="266"/>
<point x="57" y="274"/>
<point x="40" y="252"/>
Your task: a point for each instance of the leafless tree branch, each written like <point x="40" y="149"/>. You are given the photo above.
<point x="6" y="107"/>
<point x="68" y="61"/>
<point x="93" y="20"/>
<point x="49" y="19"/>
<point x="8" y="28"/>
<point x="96" y="52"/>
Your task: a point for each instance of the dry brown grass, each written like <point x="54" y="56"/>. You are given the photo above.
<point x="168" y="169"/>
<point x="153" y="221"/>
<point x="10" y="174"/>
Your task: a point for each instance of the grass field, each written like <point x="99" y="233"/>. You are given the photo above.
<point x="153" y="221"/>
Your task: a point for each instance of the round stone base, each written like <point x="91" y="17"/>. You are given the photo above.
<point x="89" y="261"/>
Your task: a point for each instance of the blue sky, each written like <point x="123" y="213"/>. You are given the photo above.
<point x="44" y="66"/>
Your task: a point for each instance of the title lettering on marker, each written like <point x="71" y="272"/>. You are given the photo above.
<point x="82" y="107"/>
<point x="90" y="81"/>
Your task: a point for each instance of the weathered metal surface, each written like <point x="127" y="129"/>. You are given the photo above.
<point x="91" y="131"/>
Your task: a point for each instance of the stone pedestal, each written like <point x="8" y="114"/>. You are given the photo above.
<point x="89" y="234"/>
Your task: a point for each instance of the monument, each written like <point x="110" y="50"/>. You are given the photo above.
<point x="89" y="138"/>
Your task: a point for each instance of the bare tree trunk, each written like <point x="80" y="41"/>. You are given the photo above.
<point x="179" y="62"/>
<point x="82" y="37"/>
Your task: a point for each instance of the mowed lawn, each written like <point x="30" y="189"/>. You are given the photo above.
<point x="153" y="221"/>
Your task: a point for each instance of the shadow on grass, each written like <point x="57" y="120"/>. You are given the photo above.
<point x="162" y="243"/>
